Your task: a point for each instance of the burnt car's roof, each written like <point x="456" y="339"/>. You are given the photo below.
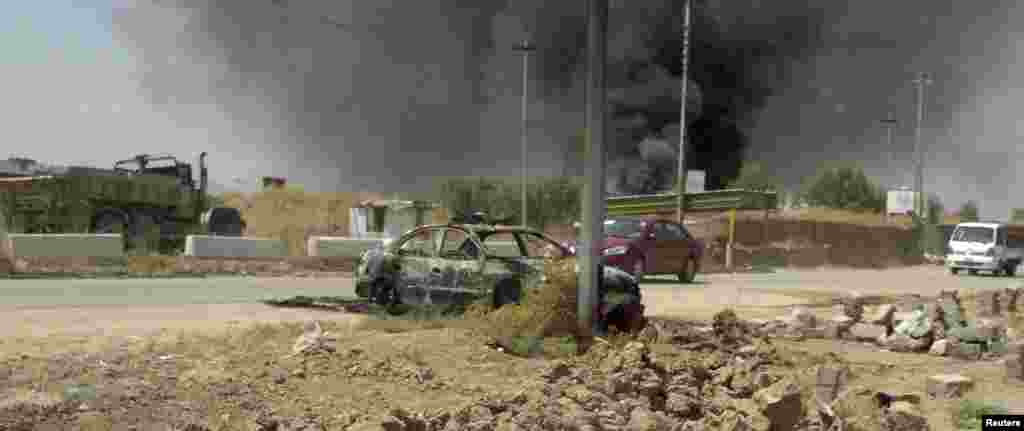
<point x="482" y="228"/>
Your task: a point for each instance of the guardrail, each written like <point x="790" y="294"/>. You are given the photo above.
<point x="718" y="200"/>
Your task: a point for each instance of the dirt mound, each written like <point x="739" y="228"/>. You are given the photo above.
<point x="725" y="382"/>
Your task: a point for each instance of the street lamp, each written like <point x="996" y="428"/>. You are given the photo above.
<point x="681" y="175"/>
<point x="525" y="49"/>
<point x="922" y="81"/>
<point x="889" y="123"/>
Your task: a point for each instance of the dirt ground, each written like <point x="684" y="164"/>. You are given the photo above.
<point x="211" y="367"/>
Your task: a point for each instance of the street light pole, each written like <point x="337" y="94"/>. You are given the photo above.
<point x="889" y="123"/>
<point x="681" y="171"/>
<point x="922" y="81"/>
<point x="525" y="49"/>
<point x="593" y="205"/>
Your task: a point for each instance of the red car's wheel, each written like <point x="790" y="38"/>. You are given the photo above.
<point x="689" y="271"/>
<point x="639" y="269"/>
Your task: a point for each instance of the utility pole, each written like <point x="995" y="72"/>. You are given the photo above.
<point x="525" y="49"/>
<point x="593" y="205"/>
<point x="922" y="81"/>
<point x="889" y="123"/>
<point x="681" y="171"/>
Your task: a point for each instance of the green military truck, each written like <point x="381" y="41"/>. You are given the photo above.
<point x="151" y="199"/>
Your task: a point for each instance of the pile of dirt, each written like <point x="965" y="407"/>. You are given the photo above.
<point x="726" y="382"/>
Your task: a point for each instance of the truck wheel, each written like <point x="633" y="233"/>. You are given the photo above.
<point x="954" y="271"/>
<point x="1011" y="269"/>
<point x="972" y="271"/>
<point x="109" y="222"/>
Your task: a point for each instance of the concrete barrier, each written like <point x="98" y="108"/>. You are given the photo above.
<point x="231" y="246"/>
<point x="336" y="246"/>
<point x="65" y="245"/>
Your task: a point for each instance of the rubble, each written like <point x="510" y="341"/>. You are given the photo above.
<point x="939" y="348"/>
<point x="884" y="315"/>
<point x="905" y="343"/>
<point x="903" y="416"/>
<point x="829" y="382"/>
<point x="948" y="386"/>
<point x="867" y="332"/>
<point x="720" y="382"/>
<point x="1014" y="364"/>
<point x="853" y="306"/>
<point x="838" y="326"/>
<point x="313" y="340"/>
<point x="965" y="350"/>
<point x="988" y="303"/>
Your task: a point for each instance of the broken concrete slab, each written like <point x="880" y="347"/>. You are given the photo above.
<point x="781" y="405"/>
<point x="948" y="386"/>
<point x="903" y="416"/>
<point x="837" y="326"/>
<point x="801" y="318"/>
<point x="967" y="351"/>
<point x="867" y="332"/>
<point x="989" y="328"/>
<point x="906" y="343"/>
<point x="900" y="317"/>
<point x="988" y="303"/>
<point x="939" y="348"/>
<point x="883" y="315"/>
<point x="830" y="381"/>
<point x="1014" y="368"/>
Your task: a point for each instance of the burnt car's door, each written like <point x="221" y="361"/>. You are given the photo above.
<point x="457" y="273"/>
<point x="505" y="266"/>
<point x="416" y="256"/>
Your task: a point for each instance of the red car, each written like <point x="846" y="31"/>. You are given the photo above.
<point x="650" y="246"/>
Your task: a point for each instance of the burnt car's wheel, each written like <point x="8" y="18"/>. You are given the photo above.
<point x="639" y="268"/>
<point x="689" y="271"/>
<point x="626" y="318"/>
<point x="383" y="292"/>
<point x="506" y="292"/>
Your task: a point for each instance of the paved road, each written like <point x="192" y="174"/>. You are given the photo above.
<point x="44" y="307"/>
<point x="240" y="290"/>
<point x="171" y="291"/>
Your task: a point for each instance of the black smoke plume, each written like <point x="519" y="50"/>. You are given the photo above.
<point x="427" y="87"/>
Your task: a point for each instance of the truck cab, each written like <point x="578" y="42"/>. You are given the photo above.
<point x="984" y="246"/>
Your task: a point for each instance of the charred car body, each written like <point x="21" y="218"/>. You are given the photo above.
<point x="460" y="263"/>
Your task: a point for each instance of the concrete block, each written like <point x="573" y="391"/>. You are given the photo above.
<point x="229" y="246"/>
<point x="939" y="348"/>
<point x="65" y="245"/>
<point x="968" y="351"/>
<point x="867" y="332"/>
<point x="334" y="246"/>
<point x="948" y="386"/>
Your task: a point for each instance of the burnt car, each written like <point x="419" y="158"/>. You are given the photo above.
<point x="650" y="246"/>
<point x="460" y="263"/>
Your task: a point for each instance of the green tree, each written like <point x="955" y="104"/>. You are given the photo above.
<point x="843" y="187"/>
<point x="935" y="209"/>
<point x="549" y="200"/>
<point x="969" y="211"/>
<point x="753" y="176"/>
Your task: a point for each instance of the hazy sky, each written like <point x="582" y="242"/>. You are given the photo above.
<point x="90" y="82"/>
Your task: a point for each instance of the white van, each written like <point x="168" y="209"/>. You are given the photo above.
<point x="980" y="246"/>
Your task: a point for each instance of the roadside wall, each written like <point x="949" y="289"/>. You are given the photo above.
<point x="778" y="241"/>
